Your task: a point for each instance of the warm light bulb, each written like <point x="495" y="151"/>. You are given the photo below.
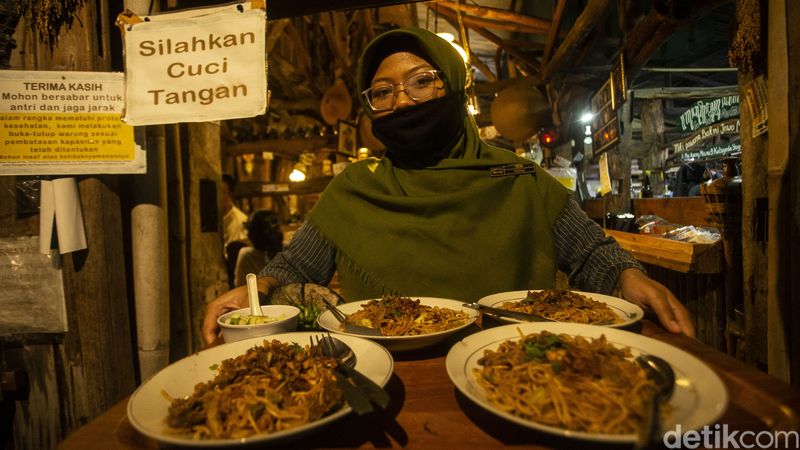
<point x="460" y="51"/>
<point x="446" y="36"/>
<point x="296" y="176"/>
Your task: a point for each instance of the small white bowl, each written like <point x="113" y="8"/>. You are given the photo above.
<point x="233" y="333"/>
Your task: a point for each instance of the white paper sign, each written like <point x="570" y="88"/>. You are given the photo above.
<point x="605" y="177"/>
<point x="196" y="69"/>
<point x="56" y="122"/>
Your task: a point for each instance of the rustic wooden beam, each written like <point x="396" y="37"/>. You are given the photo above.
<point x="783" y="167"/>
<point x="628" y="12"/>
<point x="662" y="21"/>
<point x="594" y="13"/>
<point x="508" y="26"/>
<point x="473" y="58"/>
<point x="488" y="35"/>
<point x="552" y="34"/>
<point x="686" y="93"/>
<point x="495" y="14"/>
<point x="497" y="86"/>
<point x="482" y="68"/>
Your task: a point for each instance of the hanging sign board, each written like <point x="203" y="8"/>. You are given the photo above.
<point x="706" y="112"/>
<point x="713" y="152"/>
<point x="605" y="129"/>
<point x="605" y="175"/>
<point x="728" y="127"/>
<point x="756" y="95"/>
<point x="204" y="66"/>
<point x="57" y="123"/>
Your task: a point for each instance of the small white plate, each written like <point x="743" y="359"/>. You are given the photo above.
<point x="148" y="409"/>
<point x="628" y="312"/>
<point x="399" y="343"/>
<point x="699" y="399"/>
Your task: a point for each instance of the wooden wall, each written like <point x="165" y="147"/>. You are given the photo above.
<point x="79" y="374"/>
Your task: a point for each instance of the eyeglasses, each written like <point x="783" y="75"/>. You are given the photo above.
<point x="382" y="96"/>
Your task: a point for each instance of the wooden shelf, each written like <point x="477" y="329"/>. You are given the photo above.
<point x="288" y="148"/>
<point x="674" y="255"/>
<point x="270" y="189"/>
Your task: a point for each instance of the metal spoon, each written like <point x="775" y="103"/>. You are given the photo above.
<point x="662" y="374"/>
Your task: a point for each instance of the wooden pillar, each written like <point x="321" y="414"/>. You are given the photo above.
<point x="208" y="278"/>
<point x="754" y="199"/>
<point x="783" y="303"/>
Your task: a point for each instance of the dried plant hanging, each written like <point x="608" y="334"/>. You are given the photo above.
<point x="745" y="50"/>
<point x="47" y="17"/>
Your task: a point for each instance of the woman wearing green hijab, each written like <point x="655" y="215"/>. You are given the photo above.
<point x="444" y="214"/>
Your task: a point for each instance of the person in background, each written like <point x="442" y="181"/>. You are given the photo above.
<point x="690" y="176"/>
<point x="234" y="234"/>
<point x="265" y="234"/>
<point x="233" y="219"/>
<point x="443" y="213"/>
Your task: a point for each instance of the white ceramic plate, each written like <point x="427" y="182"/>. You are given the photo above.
<point x="625" y="310"/>
<point x="699" y="399"/>
<point x="399" y="343"/>
<point x="147" y="407"/>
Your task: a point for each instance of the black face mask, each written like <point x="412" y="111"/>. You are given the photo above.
<point x="421" y="135"/>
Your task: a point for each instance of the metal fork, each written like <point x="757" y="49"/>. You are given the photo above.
<point x="349" y="326"/>
<point x="358" y="390"/>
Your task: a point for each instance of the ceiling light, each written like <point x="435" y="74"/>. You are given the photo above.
<point x="587" y="117"/>
<point x="452" y="40"/>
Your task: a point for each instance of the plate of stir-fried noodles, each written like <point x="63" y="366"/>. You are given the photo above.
<point x="567" y="306"/>
<point x="406" y="323"/>
<point x="260" y="390"/>
<point x="579" y="381"/>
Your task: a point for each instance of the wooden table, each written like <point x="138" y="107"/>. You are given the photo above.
<point x="428" y="412"/>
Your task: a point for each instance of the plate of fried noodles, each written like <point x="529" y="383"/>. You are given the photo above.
<point x="579" y="381"/>
<point x="260" y="390"/>
<point x="567" y="306"/>
<point x="406" y="323"/>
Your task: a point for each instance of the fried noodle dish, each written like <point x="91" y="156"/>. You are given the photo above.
<point x="564" y="306"/>
<point x="402" y="316"/>
<point x="567" y="382"/>
<point x="272" y="387"/>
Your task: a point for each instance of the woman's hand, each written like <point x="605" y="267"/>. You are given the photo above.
<point x="638" y="288"/>
<point x="236" y="298"/>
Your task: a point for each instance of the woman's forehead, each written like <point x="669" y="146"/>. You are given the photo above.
<point x="400" y="64"/>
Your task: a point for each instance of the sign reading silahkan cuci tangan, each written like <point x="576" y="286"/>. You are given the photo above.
<point x="195" y="69"/>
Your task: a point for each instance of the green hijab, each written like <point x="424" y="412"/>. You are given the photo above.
<point x="449" y="230"/>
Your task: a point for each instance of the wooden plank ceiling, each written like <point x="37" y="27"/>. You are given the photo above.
<point x="564" y="47"/>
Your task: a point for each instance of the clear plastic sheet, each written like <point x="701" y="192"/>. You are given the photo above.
<point x="32" y="298"/>
<point x="695" y="235"/>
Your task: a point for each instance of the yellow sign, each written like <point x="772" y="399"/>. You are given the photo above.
<point x="65" y="123"/>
